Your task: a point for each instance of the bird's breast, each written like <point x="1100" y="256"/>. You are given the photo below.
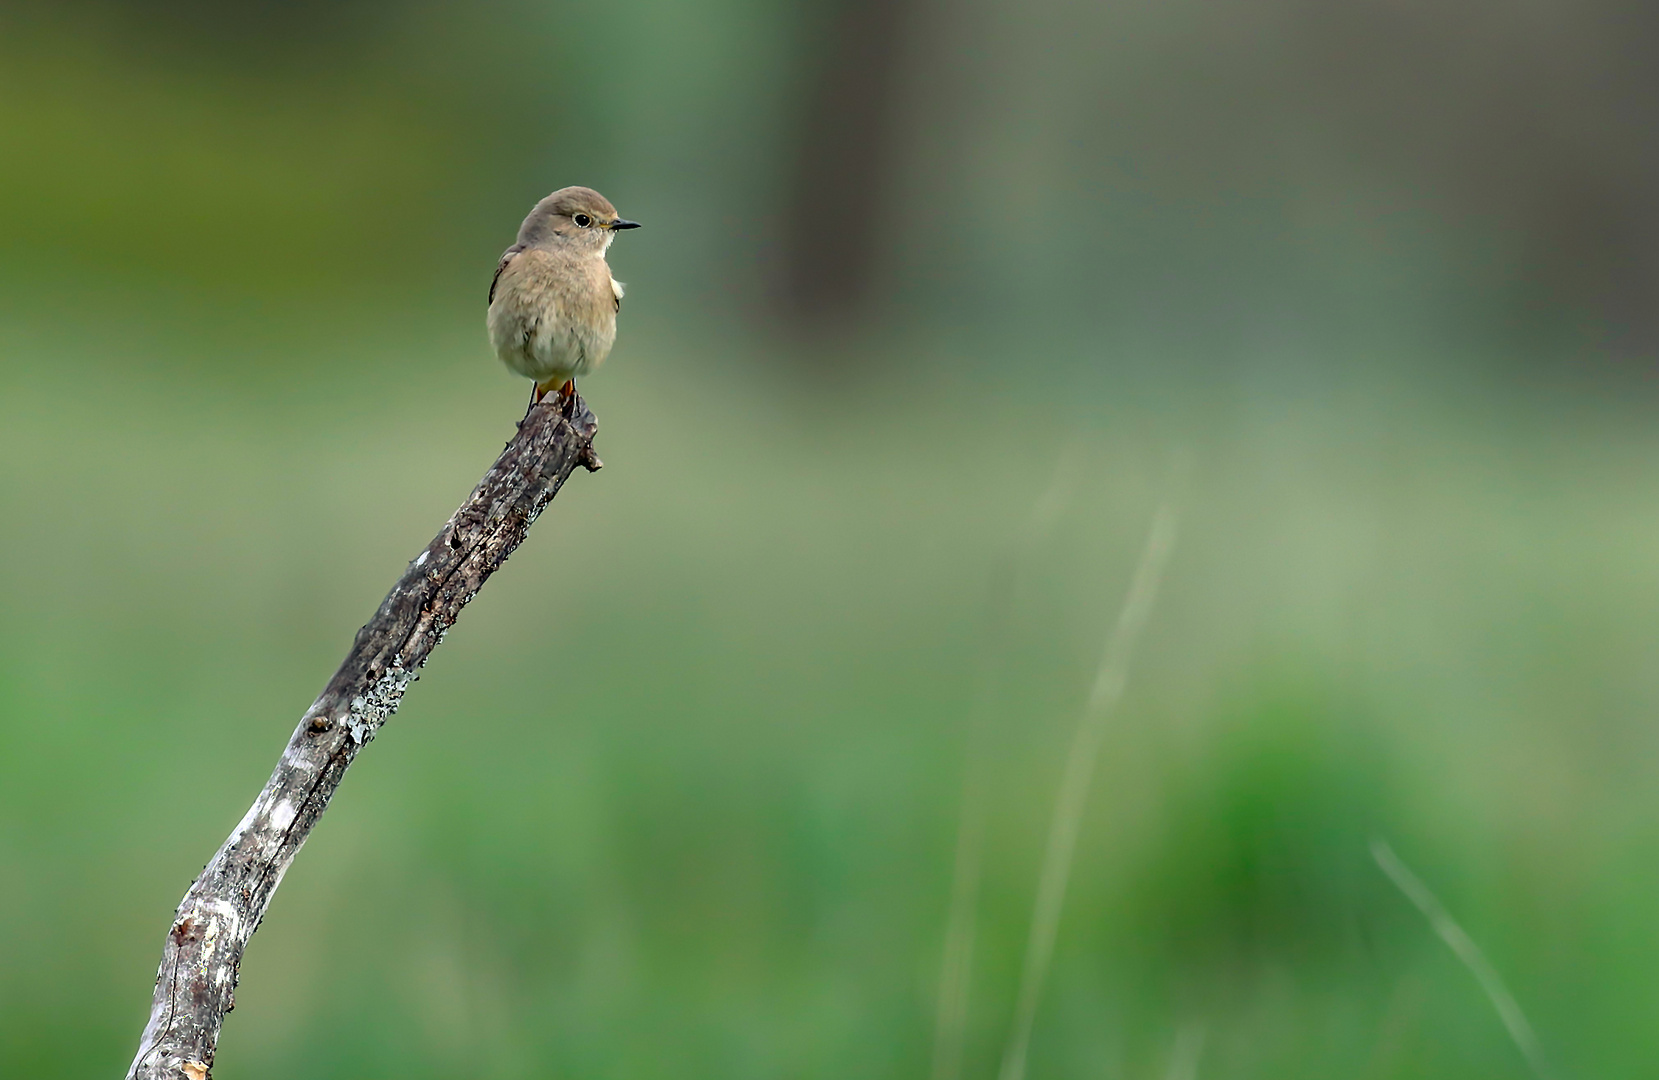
<point x="553" y="315"/>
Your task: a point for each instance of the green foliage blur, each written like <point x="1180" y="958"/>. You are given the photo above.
<point x="1365" y="292"/>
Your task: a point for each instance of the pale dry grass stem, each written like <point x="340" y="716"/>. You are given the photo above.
<point x="1464" y="947"/>
<point x="956" y="976"/>
<point x="1189" y="1047"/>
<point x="1108" y="689"/>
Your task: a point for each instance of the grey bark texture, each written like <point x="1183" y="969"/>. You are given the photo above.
<point x="196" y="984"/>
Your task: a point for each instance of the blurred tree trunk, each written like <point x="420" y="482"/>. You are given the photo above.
<point x="843" y="173"/>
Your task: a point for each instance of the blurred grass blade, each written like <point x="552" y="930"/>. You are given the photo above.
<point x="956" y="974"/>
<point x="1189" y="1047"/>
<point x="1509" y="1010"/>
<point x="1074" y="786"/>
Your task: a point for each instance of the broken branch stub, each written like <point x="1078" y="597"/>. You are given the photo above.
<point x="196" y="983"/>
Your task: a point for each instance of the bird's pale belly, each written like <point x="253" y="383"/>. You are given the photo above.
<point x="546" y="349"/>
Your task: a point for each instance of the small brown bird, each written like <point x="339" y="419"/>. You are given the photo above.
<point x="553" y="302"/>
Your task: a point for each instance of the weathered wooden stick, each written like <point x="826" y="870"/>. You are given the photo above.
<point x="196" y="984"/>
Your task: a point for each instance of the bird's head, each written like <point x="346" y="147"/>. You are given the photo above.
<point x="575" y="216"/>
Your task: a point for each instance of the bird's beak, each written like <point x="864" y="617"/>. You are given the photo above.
<point x="622" y="223"/>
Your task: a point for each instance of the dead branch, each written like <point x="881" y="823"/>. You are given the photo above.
<point x="196" y="984"/>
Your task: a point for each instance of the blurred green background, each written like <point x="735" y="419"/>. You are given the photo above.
<point x="680" y="794"/>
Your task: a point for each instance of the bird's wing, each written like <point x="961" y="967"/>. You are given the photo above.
<point x="506" y="257"/>
<point x="617" y="290"/>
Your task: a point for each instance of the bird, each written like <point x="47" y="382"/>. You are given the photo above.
<point x="553" y="301"/>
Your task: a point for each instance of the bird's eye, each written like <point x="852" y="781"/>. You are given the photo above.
<point x="582" y="221"/>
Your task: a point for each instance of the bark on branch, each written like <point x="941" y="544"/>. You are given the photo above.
<point x="196" y="984"/>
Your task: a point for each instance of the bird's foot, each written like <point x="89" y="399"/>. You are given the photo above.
<point x="566" y="395"/>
